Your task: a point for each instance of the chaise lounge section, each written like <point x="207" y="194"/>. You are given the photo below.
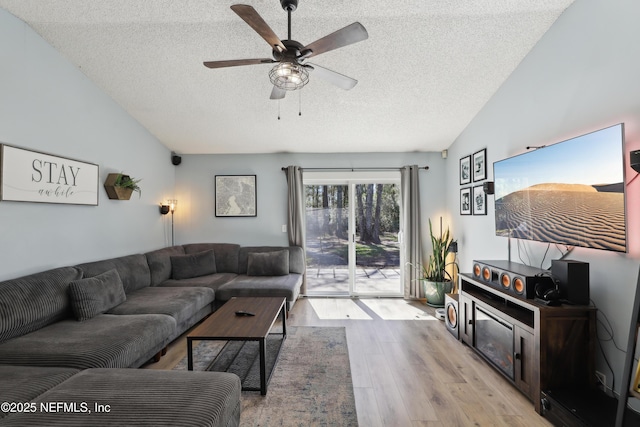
<point x="118" y="397"/>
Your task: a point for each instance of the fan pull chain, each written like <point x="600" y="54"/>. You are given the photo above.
<point x="299" y="103"/>
<point x="278" y="109"/>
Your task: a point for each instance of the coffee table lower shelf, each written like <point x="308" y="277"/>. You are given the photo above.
<point x="252" y="360"/>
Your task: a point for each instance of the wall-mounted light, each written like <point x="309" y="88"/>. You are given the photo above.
<point x="164" y="209"/>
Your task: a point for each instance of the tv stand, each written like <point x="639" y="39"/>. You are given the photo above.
<point x="553" y="347"/>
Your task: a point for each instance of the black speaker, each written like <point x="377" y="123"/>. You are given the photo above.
<point x="573" y="280"/>
<point x="634" y="160"/>
<point x="175" y="159"/>
<point x="489" y="187"/>
<point x="451" y="314"/>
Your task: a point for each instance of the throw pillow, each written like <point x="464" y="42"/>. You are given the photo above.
<point x="193" y="265"/>
<point x="94" y="295"/>
<point x="274" y="263"/>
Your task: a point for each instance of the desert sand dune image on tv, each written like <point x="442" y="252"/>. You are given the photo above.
<point x="569" y="214"/>
<point x="570" y="193"/>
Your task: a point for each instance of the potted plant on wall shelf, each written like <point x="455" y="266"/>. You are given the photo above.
<point x="120" y="186"/>
<point x="437" y="281"/>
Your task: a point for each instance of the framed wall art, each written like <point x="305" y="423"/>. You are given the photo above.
<point x="235" y="195"/>
<point x="479" y="200"/>
<point x="32" y="176"/>
<point x="465" y="201"/>
<point x="465" y="170"/>
<point x="480" y="165"/>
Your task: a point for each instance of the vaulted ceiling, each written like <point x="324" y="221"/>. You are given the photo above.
<point x="425" y="71"/>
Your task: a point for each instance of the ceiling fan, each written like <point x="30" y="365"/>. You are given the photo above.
<point x="292" y="70"/>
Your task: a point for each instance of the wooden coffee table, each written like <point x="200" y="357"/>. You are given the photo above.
<point x="225" y="325"/>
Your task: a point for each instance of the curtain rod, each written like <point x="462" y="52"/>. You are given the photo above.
<point x="354" y="169"/>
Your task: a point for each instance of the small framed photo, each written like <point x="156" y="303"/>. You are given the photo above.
<point x="235" y="195"/>
<point x="480" y="165"/>
<point x="465" y="201"/>
<point x="465" y="170"/>
<point x="479" y="200"/>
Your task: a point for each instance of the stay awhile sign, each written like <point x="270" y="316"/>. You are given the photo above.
<point x="31" y="176"/>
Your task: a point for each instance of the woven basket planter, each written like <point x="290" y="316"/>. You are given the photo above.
<point x="116" y="193"/>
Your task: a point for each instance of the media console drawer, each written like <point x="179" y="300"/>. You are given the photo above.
<point x="536" y="347"/>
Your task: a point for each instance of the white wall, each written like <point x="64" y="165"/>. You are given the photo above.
<point x="195" y="220"/>
<point x="46" y="104"/>
<point x="581" y="76"/>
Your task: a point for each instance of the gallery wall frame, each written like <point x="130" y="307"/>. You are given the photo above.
<point x="479" y="200"/>
<point x="465" y="201"/>
<point x="480" y="165"/>
<point x="235" y="196"/>
<point x="33" y="176"/>
<point x="465" y="170"/>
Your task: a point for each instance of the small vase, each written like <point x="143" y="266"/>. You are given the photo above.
<point x="435" y="291"/>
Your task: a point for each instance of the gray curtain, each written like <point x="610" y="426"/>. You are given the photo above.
<point x="296" y="211"/>
<point x="411" y="232"/>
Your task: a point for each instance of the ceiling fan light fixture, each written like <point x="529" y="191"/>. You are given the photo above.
<point x="289" y="76"/>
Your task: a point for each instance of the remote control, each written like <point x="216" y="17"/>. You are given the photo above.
<point x="244" y="313"/>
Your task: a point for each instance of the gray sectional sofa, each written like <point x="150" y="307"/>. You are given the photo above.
<point x="72" y="332"/>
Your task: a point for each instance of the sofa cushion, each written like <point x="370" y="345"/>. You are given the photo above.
<point x="31" y="302"/>
<point x="143" y="397"/>
<point x="212" y="281"/>
<point x="25" y="383"/>
<point x="268" y="263"/>
<point x="104" y="341"/>
<point x="193" y="265"/>
<point x="226" y="254"/>
<point x="160" y="263"/>
<point x="133" y="270"/>
<point x="296" y="257"/>
<point x="94" y="295"/>
<point x="180" y="303"/>
<point x="297" y="263"/>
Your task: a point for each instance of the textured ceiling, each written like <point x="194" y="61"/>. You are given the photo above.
<point x="425" y="71"/>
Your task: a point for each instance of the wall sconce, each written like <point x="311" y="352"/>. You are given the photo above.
<point x="164" y="209"/>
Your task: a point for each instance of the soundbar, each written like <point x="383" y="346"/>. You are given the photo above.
<point x="511" y="277"/>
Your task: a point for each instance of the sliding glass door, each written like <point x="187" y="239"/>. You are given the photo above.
<point x="352" y="227"/>
<point x="376" y="250"/>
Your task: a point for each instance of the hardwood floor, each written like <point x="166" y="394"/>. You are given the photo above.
<point x="407" y="370"/>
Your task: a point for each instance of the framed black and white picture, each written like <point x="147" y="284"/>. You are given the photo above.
<point x="465" y="201"/>
<point x="465" y="170"/>
<point x="480" y="165"/>
<point x="479" y="200"/>
<point x="235" y="195"/>
<point x="33" y="176"/>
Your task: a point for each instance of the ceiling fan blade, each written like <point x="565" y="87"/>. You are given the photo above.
<point x="332" y="77"/>
<point x="277" y="93"/>
<point x="348" y="35"/>
<point x="236" y="62"/>
<point x="255" y="21"/>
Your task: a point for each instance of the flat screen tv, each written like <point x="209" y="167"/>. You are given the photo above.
<point x="570" y="193"/>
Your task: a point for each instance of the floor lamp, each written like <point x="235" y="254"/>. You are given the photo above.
<point x="165" y="209"/>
